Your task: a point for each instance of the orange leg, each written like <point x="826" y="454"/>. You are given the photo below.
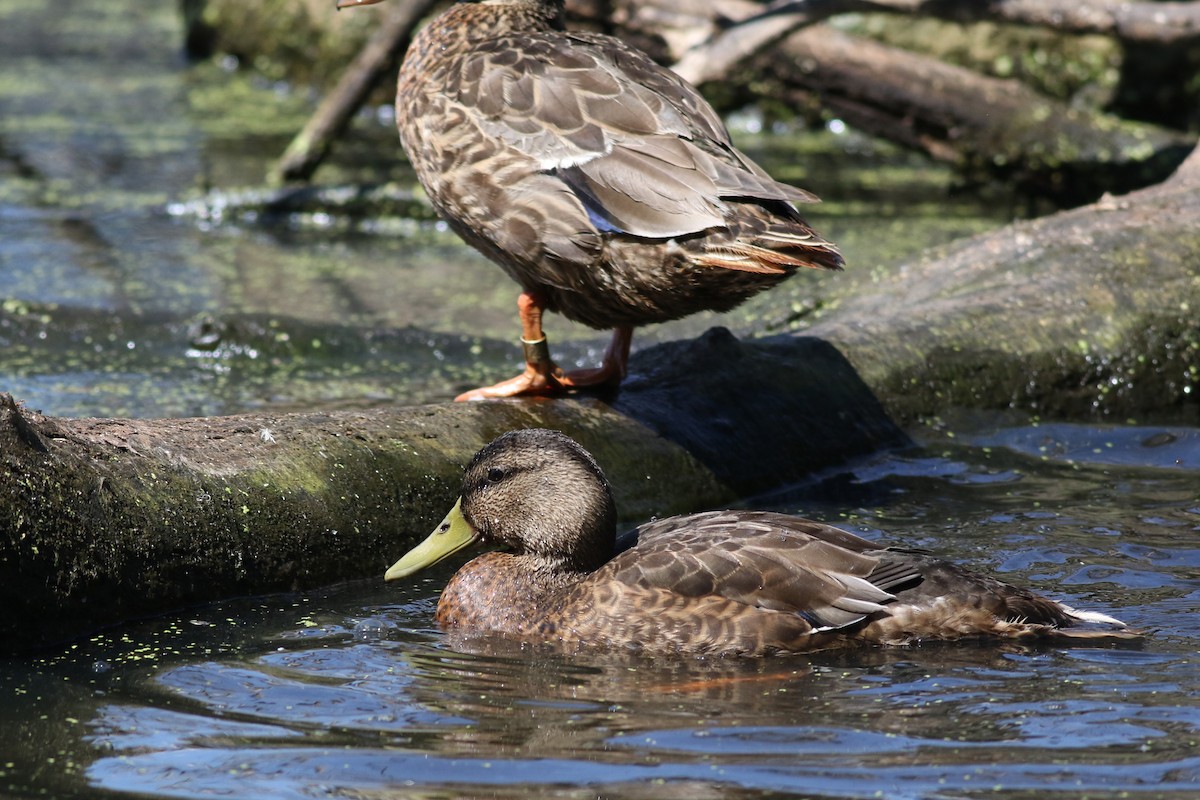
<point x="542" y="376"/>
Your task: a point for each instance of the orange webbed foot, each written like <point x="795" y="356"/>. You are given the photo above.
<point x="542" y="376"/>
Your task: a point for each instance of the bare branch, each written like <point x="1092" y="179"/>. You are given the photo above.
<point x="311" y="145"/>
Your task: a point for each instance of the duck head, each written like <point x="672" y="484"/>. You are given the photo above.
<point x="533" y="492"/>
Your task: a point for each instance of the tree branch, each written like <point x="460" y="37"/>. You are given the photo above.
<point x="309" y="148"/>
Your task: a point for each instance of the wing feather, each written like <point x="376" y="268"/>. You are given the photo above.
<point x="769" y="561"/>
<point x="639" y="146"/>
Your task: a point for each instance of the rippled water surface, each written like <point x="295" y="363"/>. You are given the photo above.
<point x="350" y="693"/>
<point x="110" y="305"/>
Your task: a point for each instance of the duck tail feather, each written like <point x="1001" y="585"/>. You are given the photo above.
<point x="1092" y="616"/>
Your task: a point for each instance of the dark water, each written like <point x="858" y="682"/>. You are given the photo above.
<point x="115" y="300"/>
<point x="349" y="693"/>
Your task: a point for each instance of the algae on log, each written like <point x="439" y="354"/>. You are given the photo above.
<point x="1090" y="313"/>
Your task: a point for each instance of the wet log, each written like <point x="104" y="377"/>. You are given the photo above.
<point x="106" y="519"/>
<point x="1086" y="314"/>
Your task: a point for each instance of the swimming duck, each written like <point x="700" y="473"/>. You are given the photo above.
<point x="722" y="582"/>
<point x="602" y="183"/>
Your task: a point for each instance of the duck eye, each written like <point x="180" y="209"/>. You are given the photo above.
<point x="495" y="474"/>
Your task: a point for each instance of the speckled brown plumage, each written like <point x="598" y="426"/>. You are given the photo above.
<point x="601" y="182"/>
<point x="728" y="582"/>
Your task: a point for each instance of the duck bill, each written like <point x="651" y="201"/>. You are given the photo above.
<point x="453" y="534"/>
<point x="352" y="3"/>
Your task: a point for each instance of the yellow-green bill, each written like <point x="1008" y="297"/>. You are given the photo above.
<point x="453" y="534"/>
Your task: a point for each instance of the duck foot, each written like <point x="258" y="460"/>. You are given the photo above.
<point x="542" y="376"/>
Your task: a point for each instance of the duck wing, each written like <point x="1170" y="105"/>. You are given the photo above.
<point x="639" y="147"/>
<point x="827" y="576"/>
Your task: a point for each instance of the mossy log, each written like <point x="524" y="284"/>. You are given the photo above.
<point x="1086" y="314"/>
<point x="105" y="519"/>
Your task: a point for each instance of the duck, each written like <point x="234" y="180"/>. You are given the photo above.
<point x="601" y="182"/>
<point x="722" y="583"/>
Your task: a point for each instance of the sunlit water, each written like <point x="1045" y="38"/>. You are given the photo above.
<point x="111" y="305"/>
<point x="352" y="693"/>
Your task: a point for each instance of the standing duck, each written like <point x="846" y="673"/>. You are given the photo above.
<point x="723" y="582"/>
<point x="599" y="181"/>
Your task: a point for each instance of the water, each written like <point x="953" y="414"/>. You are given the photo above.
<point x="350" y="692"/>
<point x="112" y="305"/>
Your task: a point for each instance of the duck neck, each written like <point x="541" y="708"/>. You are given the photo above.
<point x="525" y="15"/>
<point x="458" y="30"/>
<point x="505" y="593"/>
<point x="465" y="23"/>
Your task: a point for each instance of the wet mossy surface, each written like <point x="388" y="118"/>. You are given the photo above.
<point x="1087" y="314"/>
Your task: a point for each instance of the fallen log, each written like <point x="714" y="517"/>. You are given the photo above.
<point x="106" y="519"/>
<point x="986" y="127"/>
<point x="1142" y="22"/>
<point x="1086" y="314"/>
